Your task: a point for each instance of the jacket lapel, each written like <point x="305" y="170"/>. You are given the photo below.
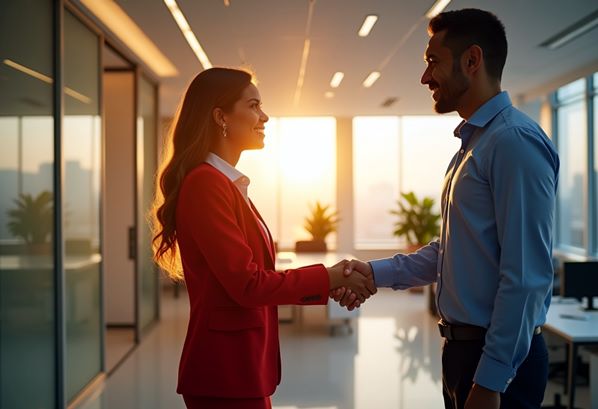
<point x="265" y="234"/>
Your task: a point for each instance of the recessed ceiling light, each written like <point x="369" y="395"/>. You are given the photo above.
<point x="336" y="79"/>
<point x="437" y="8"/>
<point x="192" y="40"/>
<point x="329" y="94"/>
<point x="373" y="77"/>
<point x="367" y="25"/>
<point x="572" y="32"/>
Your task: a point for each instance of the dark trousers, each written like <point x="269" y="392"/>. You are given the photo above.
<point x="199" y="402"/>
<point x="460" y="361"/>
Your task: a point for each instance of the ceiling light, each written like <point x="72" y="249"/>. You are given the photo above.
<point x="329" y="94"/>
<point x="181" y="21"/>
<point x="367" y="25"/>
<point x="117" y="21"/>
<point x="572" y="32"/>
<point x="302" y="67"/>
<point x="373" y="77"/>
<point x="336" y="79"/>
<point x="437" y="8"/>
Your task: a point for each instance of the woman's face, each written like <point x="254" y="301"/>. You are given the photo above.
<point x="245" y="123"/>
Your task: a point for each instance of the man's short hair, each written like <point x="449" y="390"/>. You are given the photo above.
<point x="467" y="27"/>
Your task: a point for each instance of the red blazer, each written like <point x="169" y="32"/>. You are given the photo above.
<point x="231" y="348"/>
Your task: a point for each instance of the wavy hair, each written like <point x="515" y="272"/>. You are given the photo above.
<point x="192" y="135"/>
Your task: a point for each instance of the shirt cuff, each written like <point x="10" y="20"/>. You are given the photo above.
<point x="493" y="375"/>
<point x="383" y="272"/>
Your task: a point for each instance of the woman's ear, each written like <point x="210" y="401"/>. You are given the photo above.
<point x="218" y="115"/>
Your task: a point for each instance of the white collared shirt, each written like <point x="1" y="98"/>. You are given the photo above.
<point x="237" y="177"/>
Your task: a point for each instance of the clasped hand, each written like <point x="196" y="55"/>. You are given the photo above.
<point x="351" y="283"/>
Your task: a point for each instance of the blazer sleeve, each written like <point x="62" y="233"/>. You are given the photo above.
<point x="206" y="215"/>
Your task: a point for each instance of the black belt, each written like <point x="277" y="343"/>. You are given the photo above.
<point x="467" y="332"/>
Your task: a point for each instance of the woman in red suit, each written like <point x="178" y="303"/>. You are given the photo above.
<point x="206" y="224"/>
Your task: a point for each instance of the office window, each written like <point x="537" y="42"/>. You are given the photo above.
<point x="296" y="168"/>
<point x="572" y="145"/>
<point x="393" y="155"/>
<point x="428" y="146"/>
<point x="376" y="168"/>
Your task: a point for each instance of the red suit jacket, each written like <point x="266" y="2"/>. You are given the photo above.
<point x="231" y="349"/>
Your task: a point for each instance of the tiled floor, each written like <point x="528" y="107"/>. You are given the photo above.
<point x="391" y="360"/>
<point x="119" y="342"/>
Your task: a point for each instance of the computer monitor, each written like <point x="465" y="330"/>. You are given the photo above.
<point x="580" y="279"/>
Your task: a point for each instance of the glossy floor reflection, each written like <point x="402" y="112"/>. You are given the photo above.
<point x="391" y="360"/>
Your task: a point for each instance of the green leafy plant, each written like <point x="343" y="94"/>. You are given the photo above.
<point x="321" y="221"/>
<point x="417" y="221"/>
<point x="31" y="219"/>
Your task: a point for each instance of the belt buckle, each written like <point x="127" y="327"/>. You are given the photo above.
<point x="445" y="330"/>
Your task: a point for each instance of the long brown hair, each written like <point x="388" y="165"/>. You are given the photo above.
<point x="190" y="139"/>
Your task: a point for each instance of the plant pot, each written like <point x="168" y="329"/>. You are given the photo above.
<point x="38" y="249"/>
<point x="412" y="248"/>
<point x="310" y="246"/>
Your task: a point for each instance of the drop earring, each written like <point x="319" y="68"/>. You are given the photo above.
<point x="224" y="132"/>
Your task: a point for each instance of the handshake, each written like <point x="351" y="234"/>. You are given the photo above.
<point x="351" y="283"/>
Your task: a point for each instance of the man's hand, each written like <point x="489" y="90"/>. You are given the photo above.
<point x="345" y="296"/>
<point x="361" y="285"/>
<point x="482" y="398"/>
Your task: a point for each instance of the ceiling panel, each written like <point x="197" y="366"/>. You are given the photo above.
<point x="268" y="35"/>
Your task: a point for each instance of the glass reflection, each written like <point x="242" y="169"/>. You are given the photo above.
<point x="27" y="326"/>
<point x="147" y="157"/>
<point x="82" y="154"/>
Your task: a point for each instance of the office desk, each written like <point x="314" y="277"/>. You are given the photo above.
<point x="576" y="327"/>
<point x="288" y="260"/>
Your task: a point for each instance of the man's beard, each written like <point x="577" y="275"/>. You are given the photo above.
<point x="452" y="91"/>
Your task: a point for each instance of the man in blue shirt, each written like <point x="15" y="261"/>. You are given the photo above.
<point x="492" y="262"/>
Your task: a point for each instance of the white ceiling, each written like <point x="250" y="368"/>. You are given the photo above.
<point x="268" y="35"/>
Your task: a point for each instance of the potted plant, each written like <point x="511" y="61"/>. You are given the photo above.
<point x="321" y="222"/>
<point x="31" y="220"/>
<point x="418" y="223"/>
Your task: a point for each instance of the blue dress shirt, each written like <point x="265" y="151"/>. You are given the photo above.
<point x="493" y="261"/>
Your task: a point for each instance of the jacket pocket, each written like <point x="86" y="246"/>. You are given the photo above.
<point x="235" y="318"/>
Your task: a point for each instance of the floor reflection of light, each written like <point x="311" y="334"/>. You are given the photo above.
<point x="304" y="407"/>
<point x="376" y="365"/>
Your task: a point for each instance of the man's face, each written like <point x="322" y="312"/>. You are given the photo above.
<point x="443" y="76"/>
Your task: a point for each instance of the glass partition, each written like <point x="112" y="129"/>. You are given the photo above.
<point x="27" y="268"/>
<point x="146" y="168"/>
<point x="82" y="175"/>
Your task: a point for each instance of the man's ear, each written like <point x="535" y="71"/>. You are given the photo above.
<point x="218" y="115"/>
<point x="473" y="59"/>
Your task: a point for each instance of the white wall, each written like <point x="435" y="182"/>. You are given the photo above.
<point x="118" y="211"/>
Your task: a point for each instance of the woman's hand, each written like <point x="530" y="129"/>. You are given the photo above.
<point x="345" y="296"/>
<point x="360" y="285"/>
